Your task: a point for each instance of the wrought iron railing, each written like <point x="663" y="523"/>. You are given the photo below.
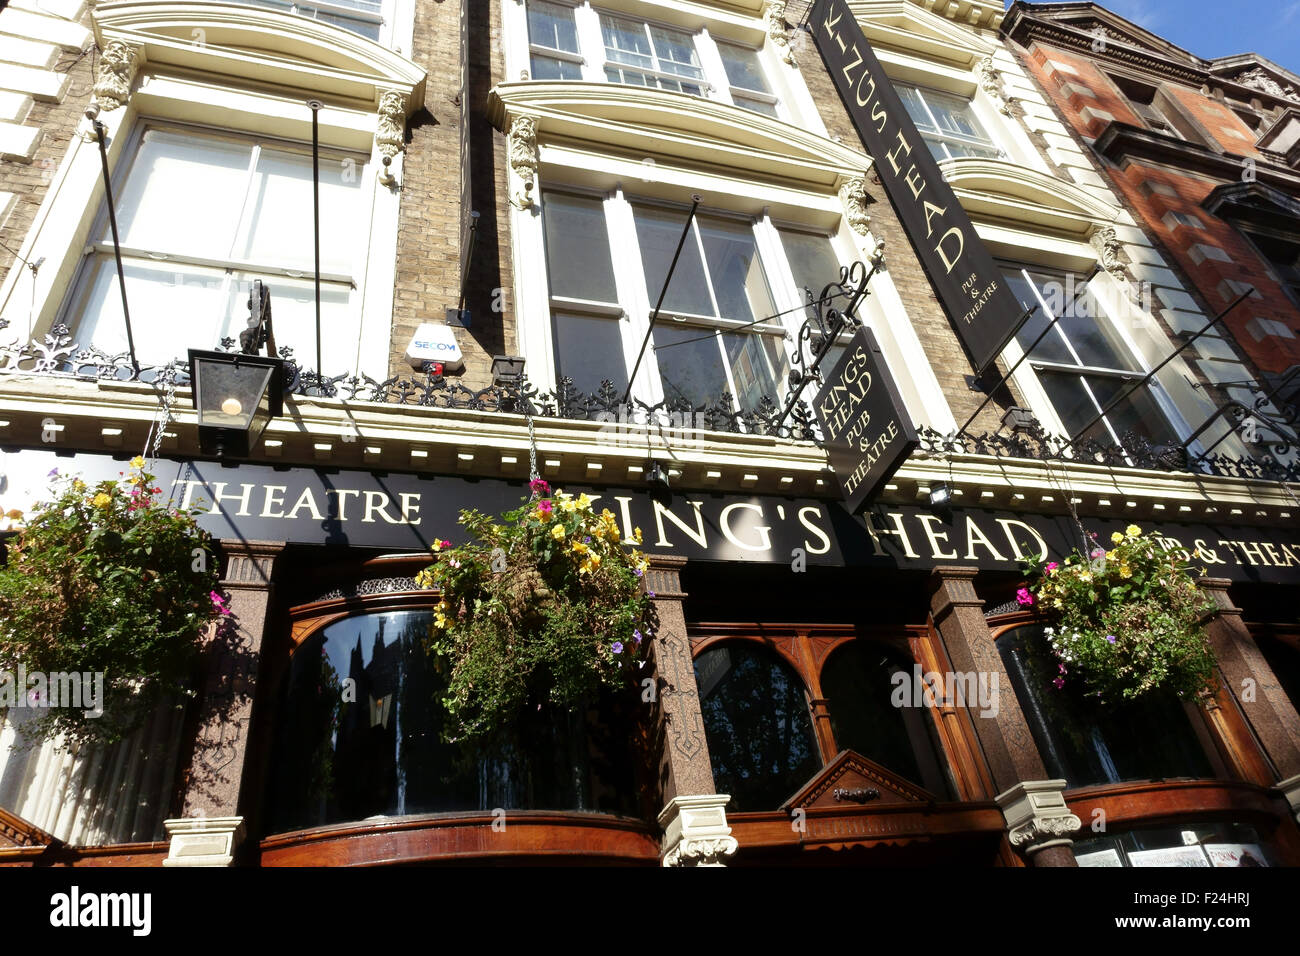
<point x="59" y="355"/>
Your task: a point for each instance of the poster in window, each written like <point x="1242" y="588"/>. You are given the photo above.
<point x="1235" y="854"/>
<point x="1169" y="856"/>
<point x="1107" y="857"/>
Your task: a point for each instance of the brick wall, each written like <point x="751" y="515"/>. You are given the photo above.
<point x="428" y="271"/>
<point x="1212" y="254"/>
<point x="45" y="83"/>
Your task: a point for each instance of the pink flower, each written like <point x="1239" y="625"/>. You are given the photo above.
<point x="1024" y="597"/>
<point x="544" y="506"/>
<point x="538" y="486"/>
<point x="1059" y="682"/>
<point x="1098" y="553"/>
<point x="219" y="603"/>
<point x="1051" y="566"/>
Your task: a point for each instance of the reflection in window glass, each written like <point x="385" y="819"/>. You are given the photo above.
<point x="946" y="123"/>
<point x="577" y="248"/>
<point x="759" y="729"/>
<point x="859" y="684"/>
<point x="812" y="261"/>
<point x="1086" y="745"/>
<point x="661" y="57"/>
<point x="551" y="28"/>
<point x="384" y="753"/>
<point x="690" y="365"/>
<point x="748" y="86"/>
<point x="739" y="285"/>
<point x="658" y="232"/>
<point x="589" y="350"/>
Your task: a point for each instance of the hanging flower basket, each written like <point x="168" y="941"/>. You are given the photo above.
<point x="1126" y="622"/>
<point x="107" y="587"/>
<point x="546" y="607"/>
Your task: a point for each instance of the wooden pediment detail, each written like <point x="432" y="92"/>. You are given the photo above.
<point x="17" y="832"/>
<point x="855" y="777"/>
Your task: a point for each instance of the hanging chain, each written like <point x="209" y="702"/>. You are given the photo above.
<point x="154" y="439"/>
<point x="532" y="440"/>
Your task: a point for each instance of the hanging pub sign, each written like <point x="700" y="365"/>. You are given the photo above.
<point x="866" y="429"/>
<point x="983" y="311"/>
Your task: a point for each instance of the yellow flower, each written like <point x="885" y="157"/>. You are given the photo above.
<point x="1132" y="531"/>
<point x="101" y="500"/>
<point x="1125" y="571"/>
<point x="636" y="533"/>
<point x="1085" y="576"/>
<point x="1117" y="537"/>
<point x="558" y="532"/>
<point x="13" y="513"/>
<point x="78" y="484"/>
<point x="584" y="501"/>
<point x="568" y="505"/>
<point x="579" y="548"/>
<point x="137" y="462"/>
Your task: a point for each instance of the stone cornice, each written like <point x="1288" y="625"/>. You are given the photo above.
<point x="1024" y="23"/>
<point x="108" y="417"/>
<point x="1119" y="141"/>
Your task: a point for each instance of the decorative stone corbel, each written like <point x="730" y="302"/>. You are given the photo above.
<point x="390" y="131"/>
<point x="1105" y="240"/>
<point x="523" y="159"/>
<point x="774" y="17"/>
<point x="854" y="199"/>
<point x="1037" y="815"/>
<point x="991" y="83"/>
<point x="696" y="832"/>
<point x="203" y="841"/>
<point x="114" y="74"/>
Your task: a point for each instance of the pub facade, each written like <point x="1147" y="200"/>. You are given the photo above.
<point x="602" y="244"/>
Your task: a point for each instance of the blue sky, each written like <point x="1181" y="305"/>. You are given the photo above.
<point x="1213" y="28"/>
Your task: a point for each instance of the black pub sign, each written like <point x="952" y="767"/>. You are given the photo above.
<point x="866" y="429"/>
<point x="983" y="311"/>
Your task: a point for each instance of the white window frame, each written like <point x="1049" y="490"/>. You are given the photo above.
<point x="591" y="55"/>
<point x="1042" y="405"/>
<point x="99" y="250"/>
<point x="944" y="137"/>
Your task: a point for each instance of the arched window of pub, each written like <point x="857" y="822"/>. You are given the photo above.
<point x="758" y="725"/>
<point x="862" y="682"/>
<point x="1148" y="739"/>
<point x="361" y="733"/>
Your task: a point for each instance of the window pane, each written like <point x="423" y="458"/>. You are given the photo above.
<point x="1087" y="745"/>
<point x="738" y="281"/>
<point x="676" y="53"/>
<point x="756" y="721"/>
<point x="1052" y="348"/>
<point x="954" y="115"/>
<point x="859" y="684"/>
<point x="293" y="304"/>
<point x="758" y="367"/>
<point x="279" y="220"/>
<point x="690" y="364"/>
<point x="589" y="349"/>
<point x="341" y="757"/>
<point x="813" y="262"/>
<point x="551" y="25"/>
<point x="172" y="310"/>
<point x="577" y="248"/>
<point x="915" y="108"/>
<point x="757" y="106"/>
<point x="626" y="42"/>
<point x="658" y="232"/>
<point x="184" y="194"/>
<point x="549" y="68"/>
<point x="742" y="67"/>
<point x="1139" y="413"/>
<point x="1073" y="403"/>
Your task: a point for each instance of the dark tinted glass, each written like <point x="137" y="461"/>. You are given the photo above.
<point x="1151" y="739"/>
<point x="756" y="719"/>
<point x="381" y="750"/>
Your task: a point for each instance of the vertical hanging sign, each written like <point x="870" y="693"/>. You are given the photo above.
<point x="982" y="310"/>
<point x="865" y="427"/>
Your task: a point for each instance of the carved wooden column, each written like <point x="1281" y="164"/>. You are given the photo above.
<point x="216" y="769"/>
<point x="1038" y="822"/>
<point x="1252" y="683"/>
<point x="694" y="816"/>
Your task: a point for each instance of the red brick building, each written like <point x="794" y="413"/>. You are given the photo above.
<point x="1206" y="153"/>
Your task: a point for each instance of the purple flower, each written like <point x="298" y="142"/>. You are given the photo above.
<point x="617" y="647"/>
<point x="636" y="635"/>
<point x="1110" y="638"/>
<point x="1059" y="683"/>
<point x="1024" y="597"/>
<point x="54" y="473"/>
<point x="651" y="593"/>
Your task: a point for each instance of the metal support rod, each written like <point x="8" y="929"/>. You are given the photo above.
<point x="469" y="257"/>
<point x="316" y="106"/>
<point x="1151" y="374"/>
<point x="988" y="397"/>
<point x="117" y="246"/>
<point x="1252" y="412"/>
<point x="654" y="316"/>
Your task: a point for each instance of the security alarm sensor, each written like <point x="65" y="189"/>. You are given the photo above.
<point x="435" y="345"/>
